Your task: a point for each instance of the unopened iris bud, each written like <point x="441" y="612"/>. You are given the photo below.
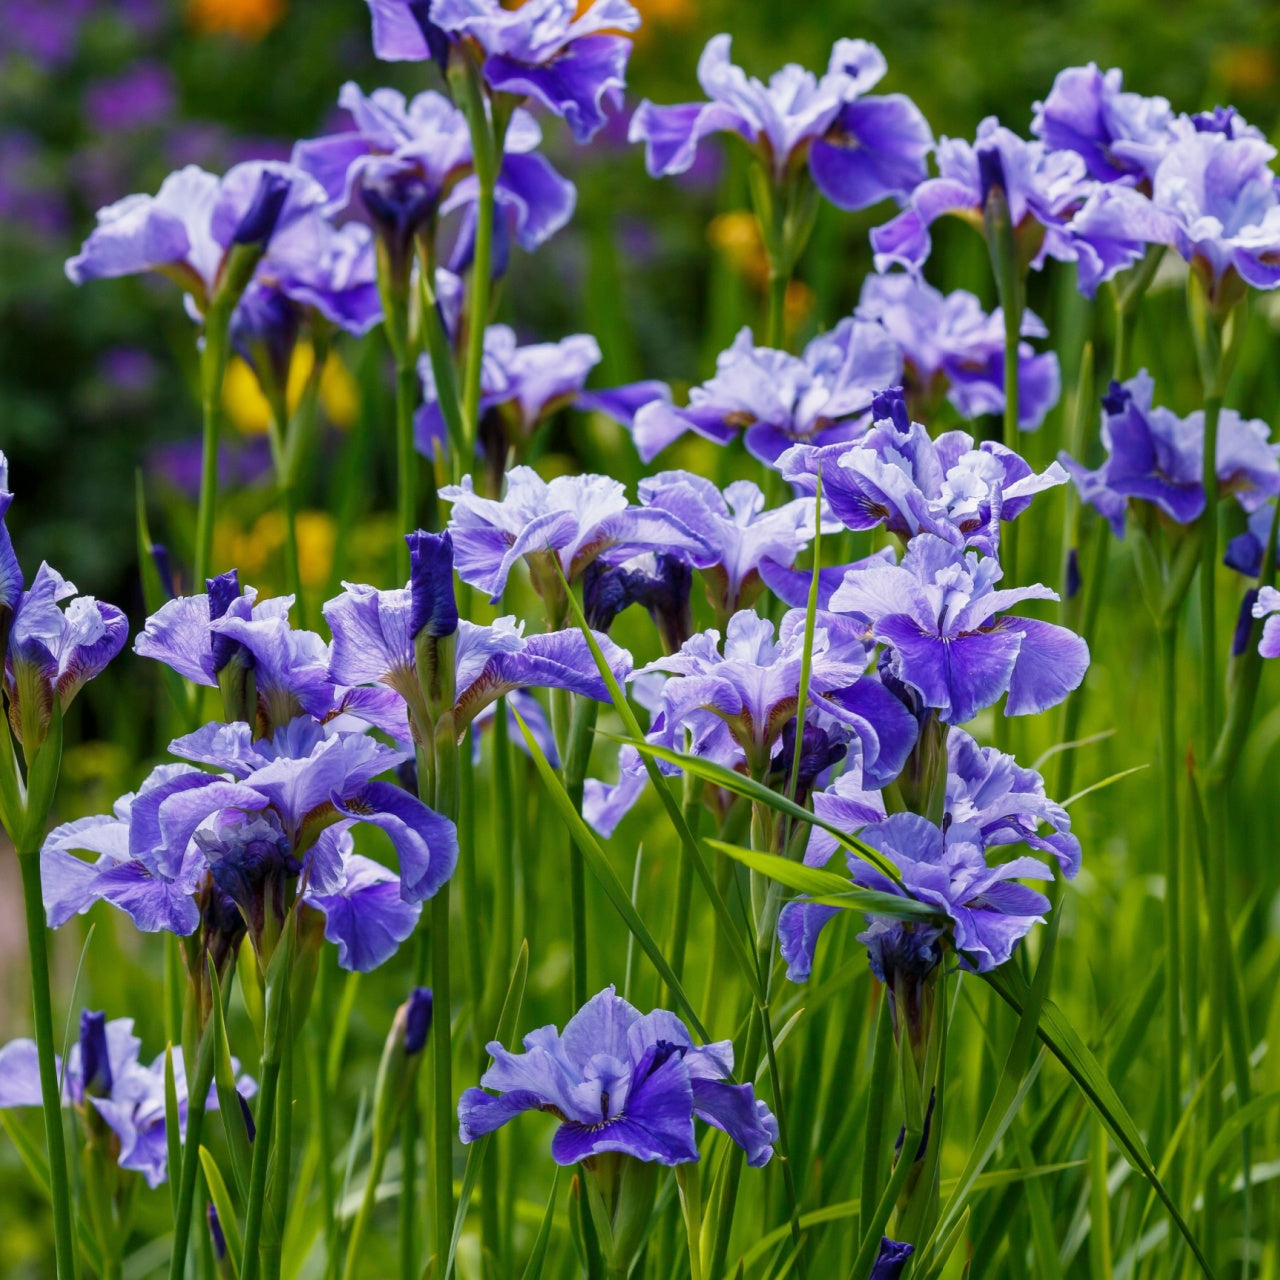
<point x="232" y="661"/>
<point x="1244" y="623"/>
<point x="1073" y="582"/>
<point x="164" y="568"/>
<point x="991" y="177"/>
<point x="219" y="1239"/>
<point x="398" y="1069"/>
<point x="891" y="1260"/>
<point x="258" y="223"/>
<point x="418" y="1010"/>
<point x="433" y="618"/>
<point x="95" y="1059"/>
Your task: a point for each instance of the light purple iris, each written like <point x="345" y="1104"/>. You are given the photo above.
<point x="776" y="399"/>
<point x="52" y="651"/>
<point x="104" y="1071"/>
<point x="937" y="613"/>
<point x="752" y="685"/>
<point x="406" y="161"/>
<point x="187" y="229"/>
<point x="860" y="150"/>
<point x="571" y="518"/>
<point x="520" y="386"/>
<point x="623" y="1081"/>
<point x="736" y="527"/>
<point x="1119" y="135"/>
<point x="911" y="484"/>
<point x="985" y="912"/>
<point x="950" y="344"/>
<point x="1043" y="187"/>
<point x="1154" y="456"/>
<point x="1213" y="199"/>
<point x="1267" y="605"/>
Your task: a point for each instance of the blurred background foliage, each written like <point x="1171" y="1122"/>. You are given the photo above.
<point x="99" y="98"/>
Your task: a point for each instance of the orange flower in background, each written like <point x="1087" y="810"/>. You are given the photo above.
<point x="248" y="19"/>
<point x="737" y="236"/>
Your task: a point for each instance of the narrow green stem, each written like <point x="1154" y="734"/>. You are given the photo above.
<point x="197" y="1094"/>
<point x="289" y="510"/>
<point x="879" y="1094"/>
<point x="213" y="365"/>
<point x="320" y="1118"/>
<point x="684" y="878"/>
<point x="51" y="1100"/>
<point x="1168" y="639"/>
<point x="282" y="1175"/>
<point x="1210" y="678"/>
<point x="578" y="752"/>
<point x="776" y="316"/>
<point x="368" y="1201"/>
<point x="406" y="461"/>
<point x="1124" y="339"/>
<point x="478" y="318"/>
<point x="1012" y="339"/>
<point x="411" y="1130"/>
<point x="442" y="1061"/>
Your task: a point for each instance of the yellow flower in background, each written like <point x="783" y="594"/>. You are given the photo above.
<point x="257" y="549"/>
<point x="248" y="19"/>
<point x="1245" y="69"/>
<point x="247" y="407"/>
<point x="737" y="236"/>
<point x="317" y="539"/>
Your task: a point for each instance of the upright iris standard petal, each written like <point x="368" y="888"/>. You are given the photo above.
<point x="860" y="150"/>
<point x="620" y="1081"/>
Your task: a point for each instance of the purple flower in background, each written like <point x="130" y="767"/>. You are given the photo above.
<point x="949" y="343"/>
<point x="140" y="98"/>
<point x="1119" y="135"/>
<point x="859" y="150"/>
<point x="1267" y="605"/>
<point x="891" y="1259"/>
<point x="573" y="518"/>
<point x="406" y="161"/>
<point x="778" y="399"/>
<point x="1155" y="456"/>
<point x="752" y="684"/>
<point x="103" y="1073"/>
<point x="736" y="527"/>
<point x="32" y="197"/>
<point x="937" y="613"/>
<point x="187" y="228"/>
<point x="572" y="63"/>
<point x="48" y="34"/>
<point x="1044" y="188"/>
<point x="520" y="386"/>
<point x="1213" y="199"/>
<point x="912" y="484"/>
<point x="620" y="1081"/>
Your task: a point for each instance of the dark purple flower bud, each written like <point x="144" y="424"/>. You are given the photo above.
<point x="891" y="1260"/>
<point x="819" y="750"/>
<point x="1117" y="397"/>
<point x="222" y="590"/>
<point x="1244" y="623"/>
<point x="607" y="590"/>
<point x="434" y="608"/>
<point x="95" y="1061"/>
<point x="246" y="1113"/>
<point x="215" y="1233"/>
<point x="258" y="224"/>
<point x="1073" y="574"/>
<point x="990" y="173"/>
<point x="418" y="1010"/>
<point x="399" y="200"/>
<point x="890" y="405"/>
<point x="1244" y="554"/>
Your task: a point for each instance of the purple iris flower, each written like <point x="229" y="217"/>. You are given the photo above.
<point x="188" y="228"/>
<point x="277" y="817"/>
<point x="982" y="909"/>
<point x="520" y="387"/>
<point x="571" y="518"/>
<point x="911" y="483"/>
<point x="623" y="1081"/>
<point x="1044" y="188"/>
<point x="52" y="651"/>
<point x="408" y="160"/>
<point x="103" y="1072"/>
<point x="936" y="612"/>
<point x="661" y="583"/>
<point x="1213" y="198"/>
<point x="860" y="150"/>
<point x="736" y="527"/>
<point x="1155" y="456"/>
<point x="404" y="32"/>
<point x="1267" y="605"/>
<point x="1119" y="135"/>
<point x="1246" y="551"/>
<point x="752" y="685"/>
<point x="572" y="63"/>
<point x="779" y="399"/>
<point x="949" y="343"/>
